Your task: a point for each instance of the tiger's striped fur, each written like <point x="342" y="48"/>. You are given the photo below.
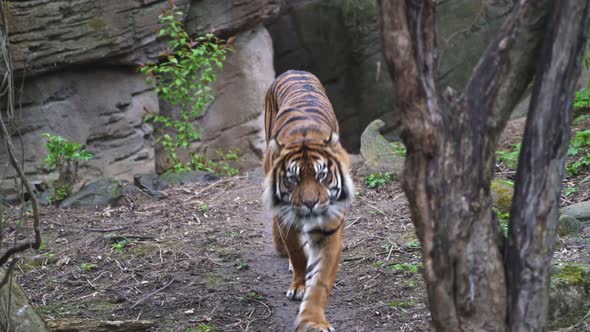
<point x="308" y="187"/>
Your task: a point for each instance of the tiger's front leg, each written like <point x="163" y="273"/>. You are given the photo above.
<point x="322" y="266"/>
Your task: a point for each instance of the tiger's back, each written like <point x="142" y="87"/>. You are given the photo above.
<point x="297" y="108"/>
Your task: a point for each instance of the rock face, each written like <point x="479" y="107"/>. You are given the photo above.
<point x="569" y="295"/>
<point x="79" y="60"/>
<point x="100" y="107"/>
<point x="579" y="211"/>
<point x="114" y="31"/>
<point x="235" y="119"/>
<point x="339" y="41"/>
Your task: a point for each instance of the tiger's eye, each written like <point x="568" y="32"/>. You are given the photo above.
<point x="293" y="179"/>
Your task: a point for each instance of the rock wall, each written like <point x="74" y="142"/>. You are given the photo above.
<point x="100" y="106"/>
<point x="339" y="41"/>
<point x="79" y="59"/>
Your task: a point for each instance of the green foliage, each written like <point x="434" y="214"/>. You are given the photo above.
<point x="61" y="193"/>
<point x="203" y="207"/>
<point x="569" y="191"/>
<point x="119" y="245"/>
<point x="399" y="149"/>
<point x="377" y="263"/>
<point x="183" y="79"/>
<point x="62" y="151"/>
<point x="253" y="296"/>
<point x="414" y="244"/>
<point x="378" y="180"/>
<point x="203" y="328"/>
<point x="503" y="220"/>
<point x="582" y="99"/>
<point x="509" y="157"/>
<point x="87" y="266"/>
<point x="580" y="119"/>
<point x="241" y="265"/>
<point x="578" y="143"/>
<point x="408" y="268"/>
<point x="401" y="304"/>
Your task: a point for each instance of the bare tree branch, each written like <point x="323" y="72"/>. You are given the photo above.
<point x="7" y="90"/>
<point x="534" y="215"/>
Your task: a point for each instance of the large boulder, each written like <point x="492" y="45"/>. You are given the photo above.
<point x="340" y="42"/>
<point x="569" y="295"/>
<point x="49" y="35"/>
<point x="100" y="193"/>
<point x="580" y="211"/>
<point x="101" y="108"/>
<point x="235" y="119"/>
<point x="380" y="155"/>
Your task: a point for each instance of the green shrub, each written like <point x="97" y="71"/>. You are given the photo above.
<point x="509" y="157"/>
<point x="376" y="180"/>
<point x="183" y="78"/>
<point x="578" y="143"/>
<point x="62" y="151"/>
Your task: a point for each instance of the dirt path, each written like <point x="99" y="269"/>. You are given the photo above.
<point x="202" y="259"/>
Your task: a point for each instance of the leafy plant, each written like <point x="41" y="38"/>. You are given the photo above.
<point x="376" y="180"/>
<point x="578" y="143"/>
<point x="414" y="244"/>
<point x="87" y="266"/>
<point x="119" y="245"/>
<point x="64" y="155"/>
<point x="399" y="149"/>
<point x="401" y="304"/>
<point x="570" y="190"/>
<point x="183" y="79"/>
<point x="62" y="151"/>
<point x="203" y="207"/>
<point x="582" y="99"/>
<point x="202" y="328"/>
<point x="503" y="220"/>
<point x="240" y="265"/>
<point x="509" y="157"/>
<point x="408" y="268"/>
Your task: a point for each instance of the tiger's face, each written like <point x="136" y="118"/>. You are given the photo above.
<point x="308" y="182"/>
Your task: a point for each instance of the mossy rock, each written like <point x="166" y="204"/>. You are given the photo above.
<point x="379" y="154"/>
<point x="569" y="297"/>
<point x="100" y="193"/>
<point x="502" y="192"/>
<point x="569" y="225"/>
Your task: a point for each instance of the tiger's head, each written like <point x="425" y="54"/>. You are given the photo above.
<point x="309" y="179"/>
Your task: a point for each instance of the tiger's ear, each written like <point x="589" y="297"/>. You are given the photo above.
<point x="332" y="140"/>
<point x="275" y="146"/>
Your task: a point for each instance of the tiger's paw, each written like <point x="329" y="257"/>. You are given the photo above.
<point x="314" y="327"/>
<point x="296" y="291"/>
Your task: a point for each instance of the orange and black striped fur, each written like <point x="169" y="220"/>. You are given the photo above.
<point x="308" y="187"/>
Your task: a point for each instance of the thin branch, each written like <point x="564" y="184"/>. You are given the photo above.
<point x="9" y="81"/>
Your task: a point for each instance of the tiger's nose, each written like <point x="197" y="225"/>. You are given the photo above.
<point x="310" y="204"/>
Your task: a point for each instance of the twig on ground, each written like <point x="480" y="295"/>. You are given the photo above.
<point x="151" y="294"/>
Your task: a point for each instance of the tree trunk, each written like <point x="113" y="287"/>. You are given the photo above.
<point x="16" y="313"/>
<point x="451" y="143"/>
<point x="535" y="211"/>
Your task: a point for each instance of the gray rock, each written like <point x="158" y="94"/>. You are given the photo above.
<point x="569" y="225"/>
<point x="378" y="153"/>
<point x="102" y="109"/>
<point x="235" y="119"/>
<point x="569" y="297"/>
<point x="340" y="42"/>
<point x="100" y="193"/>
<point x="123" y="32"/>
<point x="580" y="211"/>
<point x="153" y="183"/>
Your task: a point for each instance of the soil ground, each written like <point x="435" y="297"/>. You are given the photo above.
<point x="202" y="259"/>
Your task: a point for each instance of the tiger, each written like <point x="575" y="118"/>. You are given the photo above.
<point x="308" y="188"/>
